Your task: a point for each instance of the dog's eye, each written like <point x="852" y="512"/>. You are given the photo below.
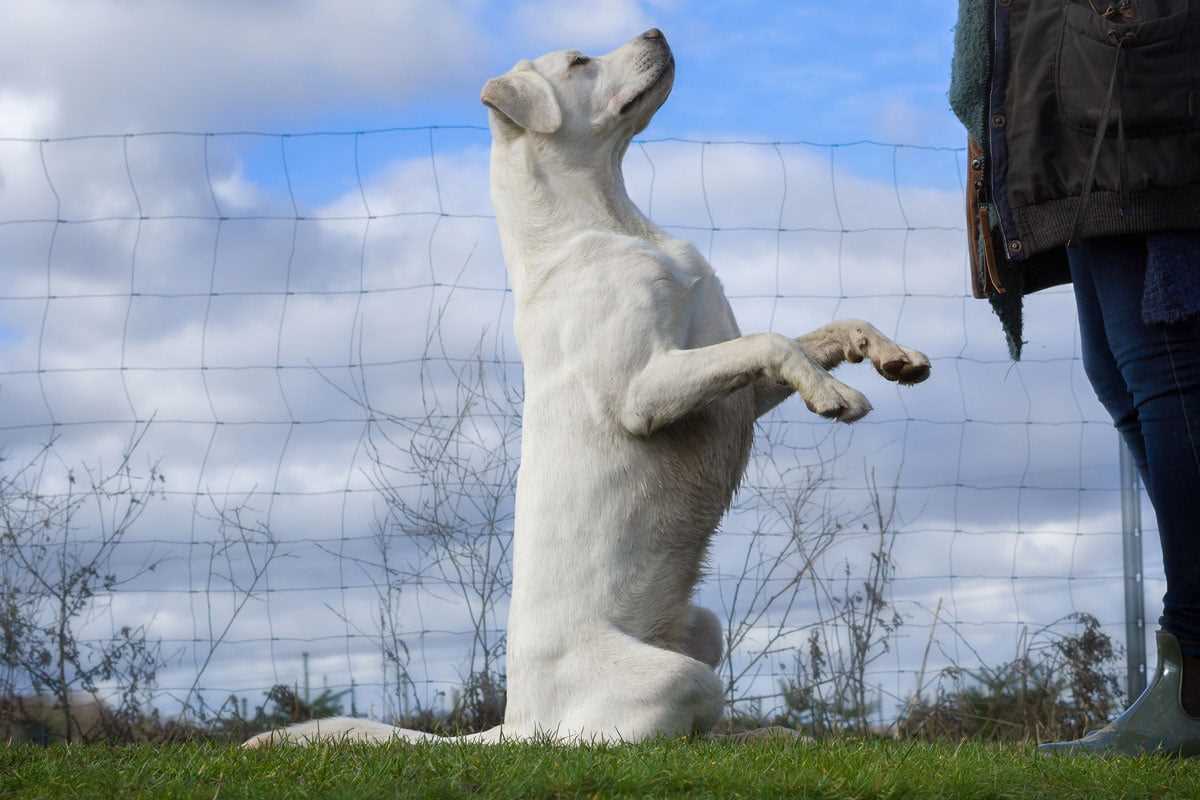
<point x="579" y="61"/>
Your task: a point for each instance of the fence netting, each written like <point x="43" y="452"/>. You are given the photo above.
<point x="265" y="386"/>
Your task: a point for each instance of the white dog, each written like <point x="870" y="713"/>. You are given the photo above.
<point x="640" y="401"/>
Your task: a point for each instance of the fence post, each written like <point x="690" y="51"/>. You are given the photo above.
<point x="1135" y="600"/>
<point x="305" y="657"/>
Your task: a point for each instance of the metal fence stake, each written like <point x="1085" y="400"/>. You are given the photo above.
<point x="1135" y="600"/>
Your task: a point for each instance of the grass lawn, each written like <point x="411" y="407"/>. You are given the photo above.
<point x="843" y="769"/>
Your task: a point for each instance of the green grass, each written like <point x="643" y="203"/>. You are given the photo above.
<point x="842" y="769"/>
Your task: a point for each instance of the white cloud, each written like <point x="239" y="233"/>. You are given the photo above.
<point x="115" y="66"/>
<point x="599" y="23"/>
<point x="26" y="114"/>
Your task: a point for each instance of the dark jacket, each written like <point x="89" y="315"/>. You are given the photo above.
<point x="1088" y="116"/>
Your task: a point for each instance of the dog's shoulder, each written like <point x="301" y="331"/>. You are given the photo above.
<point x="604" y="287"/>
<point x="685" y="263"/>
<point x="638" y="259"/>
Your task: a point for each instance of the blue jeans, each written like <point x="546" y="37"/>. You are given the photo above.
<point x="1148" y="377"/>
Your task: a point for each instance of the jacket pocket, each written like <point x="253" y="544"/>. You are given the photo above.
<point x="1154" y="41"/>
<point x="981" y="245"/>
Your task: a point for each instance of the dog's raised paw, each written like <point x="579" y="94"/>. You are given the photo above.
<point x="835" y="400"/>
<point x="915" y="369"/>
<point x="900" y="364"/>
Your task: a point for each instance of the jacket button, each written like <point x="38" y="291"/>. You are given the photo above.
<point x="999" y="120"/>
<point x="1015" y="245"/>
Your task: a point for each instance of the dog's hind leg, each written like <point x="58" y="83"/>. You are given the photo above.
<point x="648" y="691"/>
<point x="703" y="640"/>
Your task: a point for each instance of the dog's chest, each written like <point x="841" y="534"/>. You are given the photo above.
<point x="705" y="453"/>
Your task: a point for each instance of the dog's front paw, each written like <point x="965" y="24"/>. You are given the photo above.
<point x="902" y="365"/>
<point x="891" y="360"/>
<point x="835" y="400"/>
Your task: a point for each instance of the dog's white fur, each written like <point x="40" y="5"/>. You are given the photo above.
<point x="640" y="401"/>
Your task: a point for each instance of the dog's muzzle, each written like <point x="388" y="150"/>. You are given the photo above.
<point x="657" y="61"/>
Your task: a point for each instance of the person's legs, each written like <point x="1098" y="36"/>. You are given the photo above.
<point x="1160" y="368"/>
<point x="1148" y="378"/>
<point x="1098" y="361"/>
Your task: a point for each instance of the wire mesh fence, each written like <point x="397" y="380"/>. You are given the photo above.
<point x="263" y="386"/>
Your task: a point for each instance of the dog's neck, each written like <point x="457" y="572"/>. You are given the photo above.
<point x="537" y="207"/>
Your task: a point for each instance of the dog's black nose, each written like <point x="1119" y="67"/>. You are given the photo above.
<point x="653" y="33"/>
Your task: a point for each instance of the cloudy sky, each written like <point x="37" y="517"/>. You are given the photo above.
<point x="223" y="285"/>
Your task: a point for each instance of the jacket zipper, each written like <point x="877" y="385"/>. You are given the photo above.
<point x="990" y="34"/>
<point x="981" y="169"/>
<point x="987" y="120"/>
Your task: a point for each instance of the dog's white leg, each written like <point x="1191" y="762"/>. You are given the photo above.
<point x="333" y="729"/>
<point x="853" y="340"/>
<point x="848" y="340"/>
<point x="676" y="382"/>
<point x="355" y="729"/>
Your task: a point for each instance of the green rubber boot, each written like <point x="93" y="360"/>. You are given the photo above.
<point x="1156" y="723"/>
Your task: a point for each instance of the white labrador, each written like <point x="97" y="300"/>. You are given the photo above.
<point x="640" y="401"/>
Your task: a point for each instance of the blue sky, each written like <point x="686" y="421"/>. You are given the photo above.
<point x="803" y="70"/>
<point x="752" y="70"/>
<point x="760" y="70"/>
<point x="811" y="70"/>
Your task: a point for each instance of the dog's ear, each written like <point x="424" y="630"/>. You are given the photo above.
<point x="525" y="97"/>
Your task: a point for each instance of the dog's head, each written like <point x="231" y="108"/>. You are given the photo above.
<point x="570" y="101"/>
